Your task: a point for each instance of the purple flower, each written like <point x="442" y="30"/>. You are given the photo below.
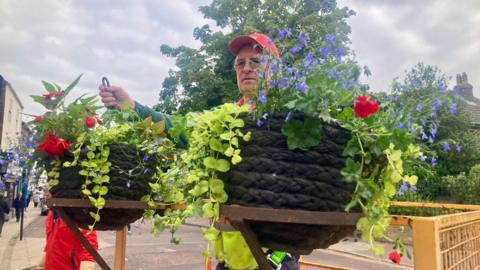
<point x="404" y="186"/>
<point x="281" y="33"/>
<point x="453" y="108"/>
<point x="458" y="147"/>
<point x="326" y="51"/>
<point x="288" y="116"/>
<point x="423" y="158"/>
<point x="400" y="193"/>
<point x="170" y="181"/>
<point x="283" y="82"/>
<point x="442" y="88"/>
<point x="434" y="114"/>
<point x="413" y="188"/>
<point x="295" y="49"/>
<point x="301" y="38"/>
<point x="155" y="149"/>
<point x="300" y="86"/>
<point x="146" y="170"/>
<point x="259" y="123"/>
<point x="446" y="146"/>
<point x="401" y="126"/>
<point x="419" y="107"/>
<point x="262" y="98"/>
<point x="433" y="163"/>
<point x="297" y="74"/>
<point x="424" y="136"/>
<point x="265" y="116"/>
<point x="273" y="83"/>
<point x="330" y="39"/>
<point x="340" y="52"/>
<point x="430" y="139"/>
<point x="309" y="61"/>
<point x="146" y="157"/>
<point x="424" y="121"/>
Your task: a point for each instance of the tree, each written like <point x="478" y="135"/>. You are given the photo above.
<point x="206" y="77"/>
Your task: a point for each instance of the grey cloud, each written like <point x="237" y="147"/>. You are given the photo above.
<point x="391" y="36"/>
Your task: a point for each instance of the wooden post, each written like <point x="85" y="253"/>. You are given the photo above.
<point x="426" y="244"/>
<point x="120" y="247"/>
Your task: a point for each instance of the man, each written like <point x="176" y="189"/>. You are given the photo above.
<point x="62" y="250"/>
<point x="247" y="50"/>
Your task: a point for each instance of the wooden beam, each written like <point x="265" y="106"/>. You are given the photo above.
<point x="120" y="249"/>
<point x="437" y="205"/>
<point x="426" y="244"/>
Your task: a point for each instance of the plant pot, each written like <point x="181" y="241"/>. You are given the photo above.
<point x="122" y="186"/>
<point x="271" y="175"/>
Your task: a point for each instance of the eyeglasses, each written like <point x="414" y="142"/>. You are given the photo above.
<point x="241" y="63"/>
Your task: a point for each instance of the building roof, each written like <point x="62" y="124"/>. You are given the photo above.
<point x="3" y="85"/>
<point x="471" y="103"/>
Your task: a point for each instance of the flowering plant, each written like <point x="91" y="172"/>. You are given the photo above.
<point x="74" y="137"/>
<point x="322" y="86"/>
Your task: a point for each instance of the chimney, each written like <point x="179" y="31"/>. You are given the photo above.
<point x="463" y="87"/>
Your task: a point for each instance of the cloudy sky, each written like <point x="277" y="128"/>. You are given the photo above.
<point x="55" y="40"/>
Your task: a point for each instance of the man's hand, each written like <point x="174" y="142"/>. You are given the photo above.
<point x="115" y="96"/>
<point x="87" y="265"/>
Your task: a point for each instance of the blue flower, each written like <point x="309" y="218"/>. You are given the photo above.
<point x="458" y="148"/>
<point x="326" y="51"/>
<point x="404" y="186"/>
<point x="401" y="126"/>
<point x="170" y="181"/>
<point x="434" y="114"/>
<point x="433" y="162"/>
<point x="281" y="33"/>
<point x="446" y="146"/>
<point x="423" y="158"/>
<point x="301" y="86"/>
<point x="288" y="116"/>
<point x="309" y="60"/>
<point x="262" y="98"/>
<point x="259" y="123"/>
<point x="155" y="149"/>
<point x="419" y="107"/>
<point x="297" y="74"/>
<point x="453" y="108"/>
<point x="146" y="170"/>
<point x="430" y="139"/>
<point x="295" y="49"/>
<point x="340" y="52"/>
<point x="424" y="136"/>
<point x="301" y="38"/>
<point x="273" y="83"/>
<point x="424" y="121"/>
<point x="265" y="116"/>
<point x="330" y="39"/>
<point x="413" y="188"/>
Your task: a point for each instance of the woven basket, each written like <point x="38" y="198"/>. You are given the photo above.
<point x="121" y="187"/>
<point x="271" y="175"/>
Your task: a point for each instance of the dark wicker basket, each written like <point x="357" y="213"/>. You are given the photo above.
<point x="271" y="175"/>
<point x="121" y="187"/>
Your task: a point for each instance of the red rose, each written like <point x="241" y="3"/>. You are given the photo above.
<point x="394" y="256"/>
<point x="37" y="119"/>
<point x="364" y="107"/>
<point x="53" y="145"/>
<point x="90" y="122"/>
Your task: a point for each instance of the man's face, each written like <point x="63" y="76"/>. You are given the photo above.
<point x="246" y="65"/>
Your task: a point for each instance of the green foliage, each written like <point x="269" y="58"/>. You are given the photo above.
<point x="464" y="188"/>
<point x="303" y="134"/>
<point x="206" y="78"/>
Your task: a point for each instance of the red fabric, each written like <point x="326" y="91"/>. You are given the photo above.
<point x="63" y="251"/>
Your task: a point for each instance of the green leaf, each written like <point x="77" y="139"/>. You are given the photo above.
<point x="49" y="87"/>
<point x="100" y="203"/>
<point x="208" y="210"/>
<point x="95" y="216"/>
<point x="96" y="189"/>
<point x="103" y="190"/>
<point x="222" y="165"/>
<point x="216" y="145"/>
<point x="236" y="159"/>
<point x="237" y="123"/>
<point x="211" y="234"/>
<point x="216" y="185"/>
<point x="303" y="134"/>
<point x="210" y="162"/>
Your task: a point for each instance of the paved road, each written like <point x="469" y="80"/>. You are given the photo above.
<point x="145" y="252"/>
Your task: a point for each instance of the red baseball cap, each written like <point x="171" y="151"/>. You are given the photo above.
<point x="263" y="40"/>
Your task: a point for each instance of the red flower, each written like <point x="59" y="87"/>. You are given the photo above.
<point x="364" y="107"/>
<point x="39" y="118"/>
<point x="90" y="122"/>
<point x="51" y="95"/>
<point x="394" y="256"/>
<point x="53" y="145"/>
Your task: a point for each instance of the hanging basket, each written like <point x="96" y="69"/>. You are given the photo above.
<point x="271" y="175"/>
<point x="123" y="186"/>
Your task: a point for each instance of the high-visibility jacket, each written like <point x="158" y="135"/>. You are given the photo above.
<point x="63" y="251"/>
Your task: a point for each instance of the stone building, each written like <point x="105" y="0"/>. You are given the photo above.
<point x="472" y="104"/>
<point x="10" y="115"/>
